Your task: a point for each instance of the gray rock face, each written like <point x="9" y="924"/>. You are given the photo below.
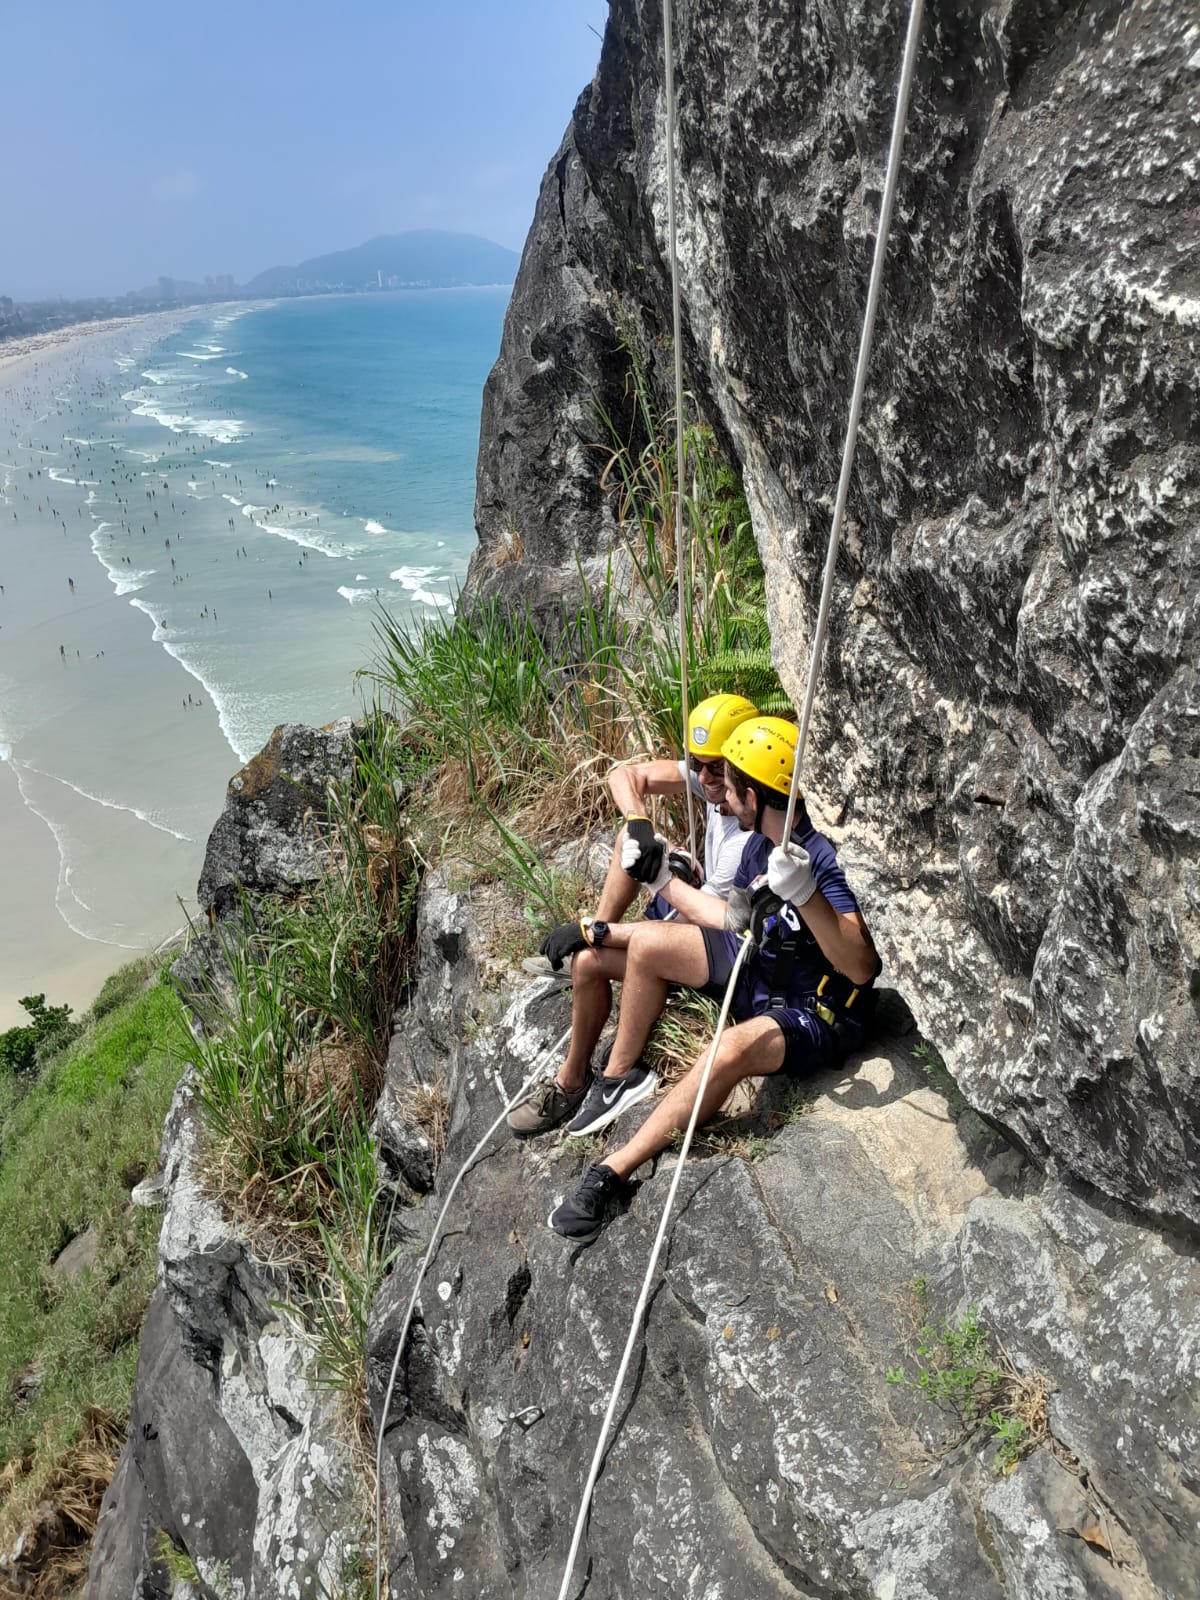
<point x="234" y="1451"/>
<point x="265" y="839"/>
<point x="1006" y="741"/>
<point x="760" y="1449"/>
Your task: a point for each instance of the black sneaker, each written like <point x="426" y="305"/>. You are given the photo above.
<point x="609" y="1097"/>
<point x="581" y="1215"/>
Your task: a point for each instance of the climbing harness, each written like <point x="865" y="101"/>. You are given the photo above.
<point x="652" y="1265"/>
<point x="907" y="65"/>
<point x="522" y="1094"/>
<point x="815" y="663"/>
<point x="683" y="585"/>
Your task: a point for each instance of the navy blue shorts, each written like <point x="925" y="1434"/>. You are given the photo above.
<point x="810" y="1044"/>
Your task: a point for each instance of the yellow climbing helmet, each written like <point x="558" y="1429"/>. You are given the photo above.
<point x="764" y="749"/>
<point x="713" y="720"/>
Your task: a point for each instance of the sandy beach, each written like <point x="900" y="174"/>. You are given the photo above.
<point x="39" y="951"/>
<point x="16" y="354"/>
<point x="200" y="513"/>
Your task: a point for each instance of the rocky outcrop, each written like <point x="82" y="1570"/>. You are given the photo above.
<point x="1006" y="751"/>
<point x="235" y="1454"/>
<point x="266" y="838"/>
<point x="1007" y="737"/>
<point x="760" y="1448"/>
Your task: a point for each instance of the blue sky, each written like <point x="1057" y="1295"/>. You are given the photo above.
<point x="144" y="138"/>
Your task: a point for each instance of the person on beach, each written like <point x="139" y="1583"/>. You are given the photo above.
<point x="803" y="999"/>
<point x="640" y="859"/>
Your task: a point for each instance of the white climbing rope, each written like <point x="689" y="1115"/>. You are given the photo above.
<point x="682" y="577"/>
<point x="816" y="656"/>
<point x="523" y="1093"/>
<point x="644" y="1296"/>
<point x="881" y="240"/>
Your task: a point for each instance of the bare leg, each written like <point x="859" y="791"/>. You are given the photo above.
<point x="592" y="976"/>
<point x="620" y="890"/>
<point x="659" y="954"/>
<point x="747" y="1050"/>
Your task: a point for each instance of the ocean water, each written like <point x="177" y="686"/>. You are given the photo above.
<point x="195" y="535"/>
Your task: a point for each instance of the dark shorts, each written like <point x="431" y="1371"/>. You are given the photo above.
<point x="809" y="1043"/>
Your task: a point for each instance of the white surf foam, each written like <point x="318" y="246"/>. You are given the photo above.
<point x="356" y="596"/>
<point x="411" y="577"/>
<point x="161" y="636"/>
<point x="59" y="476"/>
<point x="221" y="430"/>
<point x="306" y="537"/>
<point x="375" y="527"/>
<point x="235" y="372"/>
<point x="427" y="599"/>
<point x="148" y="817"/>
<point x="65" y="898"/>
<point x="125" y="580"/>
<point x="224" y="465"/>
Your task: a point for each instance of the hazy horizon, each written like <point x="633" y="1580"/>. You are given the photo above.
<point x="160" y="145"/>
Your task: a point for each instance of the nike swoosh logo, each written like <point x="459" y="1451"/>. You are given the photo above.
<point x="609" y="1096"/>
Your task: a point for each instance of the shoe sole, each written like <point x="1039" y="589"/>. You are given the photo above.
<point x="575" y="1238"/>
<point x="611" y="1113"/>
<point x="539" y="967"/>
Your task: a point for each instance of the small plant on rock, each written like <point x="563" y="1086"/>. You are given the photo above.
<point x="958" y="1371"/>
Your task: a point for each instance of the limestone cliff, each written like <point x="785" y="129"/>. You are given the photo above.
<point x="1009" y="732"/>
<point x="1006" y="751"/>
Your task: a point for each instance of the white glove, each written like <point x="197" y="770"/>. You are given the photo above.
<point x="790" y="874"/>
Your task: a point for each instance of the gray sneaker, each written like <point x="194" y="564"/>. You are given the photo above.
<point x="546" y="1107"/>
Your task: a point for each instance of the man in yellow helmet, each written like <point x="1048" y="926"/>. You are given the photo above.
<point x="802" y="999"/>
<point x="642" y="860"/>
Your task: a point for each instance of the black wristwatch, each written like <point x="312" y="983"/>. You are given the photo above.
<point x="596" y="931"/>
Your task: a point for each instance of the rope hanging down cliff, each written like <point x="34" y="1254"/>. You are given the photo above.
<point x="682" y="589"/>
<point x="522" y="1093"/>
<point x="815" y="662"/>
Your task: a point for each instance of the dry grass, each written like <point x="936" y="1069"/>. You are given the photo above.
<point x="427" y="1107"/>
<point x="1026" y="1398"/>
<point x="54" y="1500"/>
<point x="344" y="1075"/>
<point x="508" y="550"/>
<point x="684" y="1030"/>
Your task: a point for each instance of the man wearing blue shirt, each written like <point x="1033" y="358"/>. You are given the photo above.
<point x="803" y="997"/>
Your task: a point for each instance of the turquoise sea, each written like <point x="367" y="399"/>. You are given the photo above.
<point x="195" y="534"/>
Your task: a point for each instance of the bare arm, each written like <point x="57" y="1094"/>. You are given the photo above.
<point x="705" y="910"/>
<point x="844" y="938"/>
<point x="631" y="783"/>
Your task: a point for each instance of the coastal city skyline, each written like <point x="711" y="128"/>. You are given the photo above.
<point x="321" y="138"/>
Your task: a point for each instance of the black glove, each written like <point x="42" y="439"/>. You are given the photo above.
<point x="642" y="851"/>
<point x="641" y="831"/>
<point x="764" y="909"/>
<point x="562" y="942"/>
<point x="684" y="868"/>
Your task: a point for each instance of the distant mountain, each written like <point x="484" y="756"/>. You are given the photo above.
<point x="421" y="259"/>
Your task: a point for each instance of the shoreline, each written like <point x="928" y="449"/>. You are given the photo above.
<point x="16" y="353"/>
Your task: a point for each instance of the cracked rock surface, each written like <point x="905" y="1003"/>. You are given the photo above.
<point x="760" y="1448"/>
<point x="1007" y="744"/>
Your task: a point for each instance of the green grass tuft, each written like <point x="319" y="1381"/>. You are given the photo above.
<point x="73" y="1147"/>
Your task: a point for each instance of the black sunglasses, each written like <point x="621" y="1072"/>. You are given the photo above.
<point x="716" y="766"/>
